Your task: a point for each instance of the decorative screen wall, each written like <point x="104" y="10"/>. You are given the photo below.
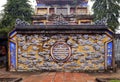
<point x="60" y="52"/>
<point x="44" y="51"/>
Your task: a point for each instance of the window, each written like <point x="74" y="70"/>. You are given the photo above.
<point x="63" y="11"/>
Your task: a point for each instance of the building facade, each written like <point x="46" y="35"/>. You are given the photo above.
<point x="47" y="11"/>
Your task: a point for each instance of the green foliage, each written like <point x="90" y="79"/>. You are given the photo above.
<point x="5" y="31"/>
<point x="16" y="9"/>
<point x="108" y="9"/>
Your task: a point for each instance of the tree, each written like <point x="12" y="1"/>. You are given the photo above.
<point x="109" y="9"/>
<point x="16" y="9"/>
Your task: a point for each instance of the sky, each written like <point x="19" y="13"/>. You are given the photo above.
<point x="2" y="2"/>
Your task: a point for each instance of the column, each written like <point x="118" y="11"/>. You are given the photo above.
<point x="48" y="10"/>
<point x="55" y="10"/>
<point x="68" y="8"/>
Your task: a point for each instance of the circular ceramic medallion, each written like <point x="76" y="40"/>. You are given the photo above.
<point x="60" y="52"/>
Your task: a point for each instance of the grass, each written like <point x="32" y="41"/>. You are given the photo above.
<point x="114" y="80"/>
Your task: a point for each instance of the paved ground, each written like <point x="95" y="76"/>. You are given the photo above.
<point x="58" y="76"/>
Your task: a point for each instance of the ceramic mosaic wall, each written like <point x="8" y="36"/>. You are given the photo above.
<point x="75" y="52"/>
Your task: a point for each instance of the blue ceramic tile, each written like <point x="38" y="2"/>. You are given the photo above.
<point x="13" y="54"/>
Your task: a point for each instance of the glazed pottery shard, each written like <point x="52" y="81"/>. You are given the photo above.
<point x="101" y="60"/>
<point x="96" y="47"/>
<point x="39" y="60"/>
<point x="97" y="55"/>
<point x="19" y="35"/>
<point x="27" y="62"/>
<point x="80" y="54"/>
<point x="21" y="44"/>
<point x="99" y="38"/>
<point x="73" y="51"/>
<point x="80" y="40"/>
<point x="87" y="42"/>
<point x="89" y="58"/>
<point x="51" y="43"/>
<point x="95" y="62"/>
<point x="93" y="37"/>
<point x="50" y="59"/>
<point x="47" y="64"/>
<point x="60" y="64"/>
<point x="46" y="58"/>
<point x="85" y="64"/>
<point x="100" y="43"/>
<point x="29" y="38"/>
<point x="54" y="37"/>
<point x="71" y="59"/>
<point x="45" y="46"/>
<point x="91" y="65"/>
<point x="32" y="53"/>
<point x="20" y="68"/>
<point x="69" y="42"/>
<point x="74" y="37"/>
<point x="36" y="36"/>
<point x="24" y="47"/>
<point x="82" y="60"/>
<point x="22" y="38"/>
<point x="75" y="57"/>
<point x="45" y="38"/>
<point x="104" y="36"/>
<point x="35" y="48"/>
<point x="86" y="48"/>
<point x="102" y="51"/>
<point x="75" y="45"/>
<point x="32" y="57"/>
<point x="24" y="54"/>
<point x="42" y="53"/>
<point x="73" y="64"/>
<point x="19" y="51"/>
<point x="19" y="61"/>
<point x="101" y="68"/>
<point x="90" y="53"/>
<point x="86" y="36"/>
